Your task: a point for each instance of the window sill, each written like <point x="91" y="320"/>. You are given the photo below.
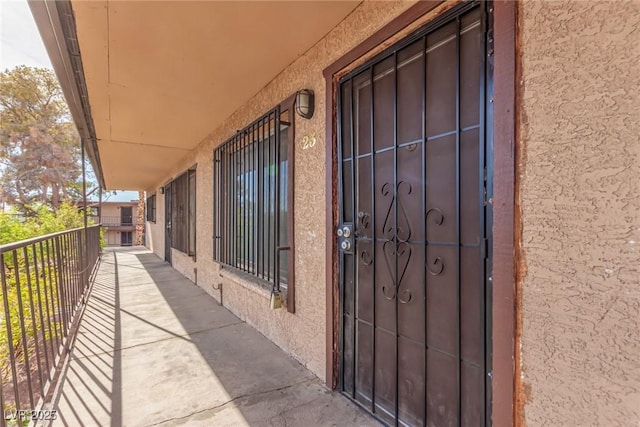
<point x="251" y="283"/>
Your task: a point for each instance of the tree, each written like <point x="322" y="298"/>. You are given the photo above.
<point x="39" y="145"/>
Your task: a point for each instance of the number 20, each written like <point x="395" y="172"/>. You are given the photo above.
<point x="308" y="142"/>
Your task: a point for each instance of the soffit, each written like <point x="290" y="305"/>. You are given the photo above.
<point x="161" y="75"/>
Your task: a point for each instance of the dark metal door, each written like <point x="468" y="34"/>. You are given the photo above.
<point x="126" y="238"/>
<point x="167" y="223"/>
<point x="413" y="228"/>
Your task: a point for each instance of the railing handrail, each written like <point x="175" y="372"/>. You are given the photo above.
<point x="17" y="245"/>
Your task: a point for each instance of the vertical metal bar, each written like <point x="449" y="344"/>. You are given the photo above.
<point x="100" y="204"/>
<point x="239" y="218"/>
<point x="72" y="261"/>
<point x="245" y="201"/>
<point x="260" y="209"/>
<point x="219" y="208"/>
<point x="54" y="294"/>
<point x="254" y="200"/>
<point x="395" y="224"/>
<point x="425" y="224"/>
<point x="216" y="204"/>
<point x="23" y="328"/>
<point x="61" y="285"/>
<point x="68" y="282"/>
<point x="64" y="261"/>
<point x="84" y="248"/>
<point x="243" y="207"/>
<point x="34" y="324"/>
<point x="42" y="292"/>
<point x="238" y="201"/>
<point x="226" y="190"/>
<point x="269" y="204"/>
<point x="234" y="192"/>
<point x="230" y="198"/>
<point x="224" y="200"/>
<point x="354" y="189"/>
<point x="276" y="210"/>
<point x="458" y="271"/>
<point x="7" y="317"/>
<point x="483" y="171"/>
<point x="373" y="241"/>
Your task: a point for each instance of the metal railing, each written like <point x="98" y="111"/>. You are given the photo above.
<point x="119" y="221"/>
<point x="44" y="283"/>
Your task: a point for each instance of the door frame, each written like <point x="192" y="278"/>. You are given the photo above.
<point x="505" y="326"/>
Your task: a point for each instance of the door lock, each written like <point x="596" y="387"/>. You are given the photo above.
<point x="344" y="231"/>
<point x="345" y="237"/>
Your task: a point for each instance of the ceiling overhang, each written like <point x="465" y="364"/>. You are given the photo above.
<point x="161" y="75"/>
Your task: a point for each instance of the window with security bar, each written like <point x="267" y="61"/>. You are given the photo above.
<point x="151" y="208"/>
<point x="252" y="200"/>
<point x="183" y="213"/>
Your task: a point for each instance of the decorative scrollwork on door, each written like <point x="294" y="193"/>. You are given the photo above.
<point x="435" y="267"/>
<point x="396" y="249"/>
<point x="436" y="214"/>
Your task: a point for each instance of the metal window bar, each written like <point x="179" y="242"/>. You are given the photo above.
<point x="247" y="199"/>
<point x="180" y="212"/>
<point x="43" y="283"/>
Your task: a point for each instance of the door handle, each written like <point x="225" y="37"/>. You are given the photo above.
<point x="344" y="231"/>
<point x="345" y="237"/>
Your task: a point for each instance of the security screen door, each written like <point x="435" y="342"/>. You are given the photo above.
<point x="413" y="227"/>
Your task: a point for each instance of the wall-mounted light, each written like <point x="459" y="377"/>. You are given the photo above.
<point x="305" y="103"/>
<point x="161" y="190"/>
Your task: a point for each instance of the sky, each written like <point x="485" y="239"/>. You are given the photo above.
<point x="20" y="44"/>
<point x="20" y="40"/>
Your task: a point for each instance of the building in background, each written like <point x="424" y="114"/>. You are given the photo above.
<point x="120" y="221"/>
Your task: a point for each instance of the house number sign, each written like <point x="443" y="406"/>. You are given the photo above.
<point x="309" y="141"/>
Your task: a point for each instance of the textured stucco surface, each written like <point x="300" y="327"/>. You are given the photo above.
<point x="155" y="231"/>
<point x="580" y="206"/>
<point x="301" y="334"/>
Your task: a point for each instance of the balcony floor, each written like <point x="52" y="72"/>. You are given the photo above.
<point x="154" y="349"/>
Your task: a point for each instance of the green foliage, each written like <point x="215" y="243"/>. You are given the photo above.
<point x="24" y="284"/>
<point x="14" y="227"/>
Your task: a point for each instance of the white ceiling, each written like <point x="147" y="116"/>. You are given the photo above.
<point x="161" y="75"/>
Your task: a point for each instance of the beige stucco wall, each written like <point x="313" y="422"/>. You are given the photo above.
<point x="580" y="195"/>
<point x="155" y="231"/>
<point x="112" y="209"/>
<point x="301" y="334"/>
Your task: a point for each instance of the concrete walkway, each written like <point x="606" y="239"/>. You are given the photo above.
<point x="154" y="349"/>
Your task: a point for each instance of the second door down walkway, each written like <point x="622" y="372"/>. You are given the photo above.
<point x="154" y="349"/>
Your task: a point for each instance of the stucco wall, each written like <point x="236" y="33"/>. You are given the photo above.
<point x="301" y="334"/>
<point x="112" y="209"/>
<point x="155" y="230"/>
<point x="580" y="206"/>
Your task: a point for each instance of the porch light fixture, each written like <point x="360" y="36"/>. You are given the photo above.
<point x="161" y="190"/>
<point x="305" y="103"/>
